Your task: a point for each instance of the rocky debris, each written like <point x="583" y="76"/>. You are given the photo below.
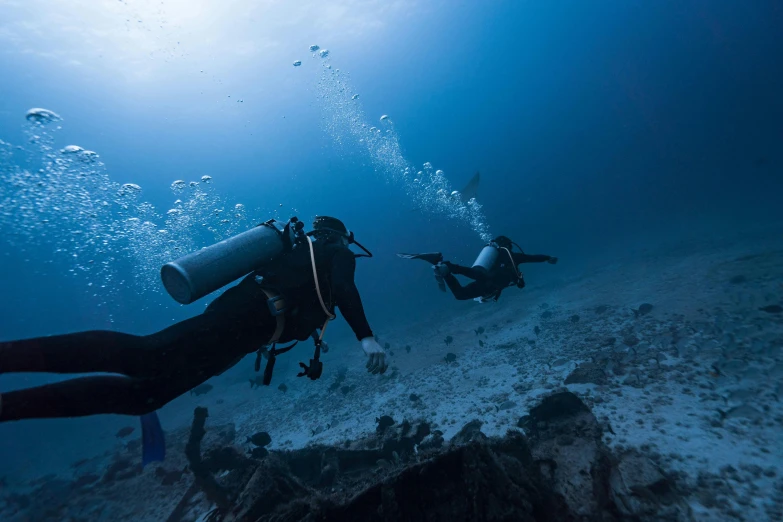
<point x="643" y="309"/>
<point x="450" y="357"/>
<point x="258" y="452"/>
<point x="565" y="442"/>
<point x="640" y="488"/>
<point x="283" y="388"/>
<point x="469" y="433"/>
<point x="432" y="441"/>
<point x="169" y="477"/>
<point x="560" y="471"/>
<point x="772" y="309"/>
<point x="587" y="373"/>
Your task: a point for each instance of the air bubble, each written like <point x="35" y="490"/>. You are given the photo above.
<point x="42" y="116"/>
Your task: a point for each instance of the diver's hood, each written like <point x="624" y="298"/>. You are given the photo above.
<point x="335" y="226"/>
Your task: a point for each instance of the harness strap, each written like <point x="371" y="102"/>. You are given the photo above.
<point x="513" y="265"/>
<point x="329" y="314"/>
<point x="279" y="318"/>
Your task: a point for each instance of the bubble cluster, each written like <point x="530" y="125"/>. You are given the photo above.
<point x="429" y="189"/>
<point x="63" y="198"/>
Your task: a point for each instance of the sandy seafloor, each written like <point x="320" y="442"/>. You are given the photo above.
<point x="696" y="382"/>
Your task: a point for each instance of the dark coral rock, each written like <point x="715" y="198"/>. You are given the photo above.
<point x="587" y="374"/>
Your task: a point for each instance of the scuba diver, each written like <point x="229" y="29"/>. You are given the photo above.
<point x="293" y="282"/>
<point x="495" y="269"/>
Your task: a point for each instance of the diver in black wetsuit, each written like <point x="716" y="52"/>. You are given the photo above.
<point x="494" y="270"/>
<point x="157" y="368"/>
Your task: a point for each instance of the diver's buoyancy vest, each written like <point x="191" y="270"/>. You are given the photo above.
<point x="490" y="257"/>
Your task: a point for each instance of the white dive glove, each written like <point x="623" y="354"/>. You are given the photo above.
<point x="376" y="362"/>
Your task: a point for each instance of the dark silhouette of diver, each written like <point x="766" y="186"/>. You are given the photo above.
<point x="287" y="302"/>
<point x="495" y="269"/>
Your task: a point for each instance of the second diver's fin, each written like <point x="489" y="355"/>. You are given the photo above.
<point x="153" y="441"/>
<point x="432" y="257"/>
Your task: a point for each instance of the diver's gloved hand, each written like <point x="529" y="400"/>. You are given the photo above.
<point x="441" y="270"/>
<point x="552" y="260"/>
<point x="376" y="362"/>
<point x="324" y="347"/>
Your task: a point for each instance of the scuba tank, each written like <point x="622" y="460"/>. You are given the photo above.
<point x="487" y="257"/>
<point x="199" y="273"/>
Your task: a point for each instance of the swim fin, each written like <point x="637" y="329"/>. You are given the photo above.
<point x="153" y="441"/>
<point x="432" y="257"/>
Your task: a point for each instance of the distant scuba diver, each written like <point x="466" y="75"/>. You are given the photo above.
<point x="293" y="282"/>
<point x="495" y="269"/>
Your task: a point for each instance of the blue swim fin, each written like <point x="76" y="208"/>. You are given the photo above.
<point x="153" y="441"/>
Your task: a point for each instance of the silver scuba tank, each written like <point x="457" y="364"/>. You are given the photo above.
<point x="487" y="257"/>
<point x="199" y="273"/>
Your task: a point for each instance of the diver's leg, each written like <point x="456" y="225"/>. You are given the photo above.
<point x="184" y="360"/>
<point x="189" y="342"/>
<point x="477" y="274"/>
<point x="84" y="396"/>
<point x="77" y="398"/>
<point x="82" y="352"/>
<point x="463" y="293"/>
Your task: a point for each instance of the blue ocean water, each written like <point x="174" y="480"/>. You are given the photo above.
<point x="599" y="129"/>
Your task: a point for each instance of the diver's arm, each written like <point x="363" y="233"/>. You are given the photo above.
<point x="347" y="295"/>
<point x="520" y="257"/>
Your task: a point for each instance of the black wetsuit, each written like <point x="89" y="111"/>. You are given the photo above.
<point x="489" y="284"/>
<point x="157" y="368"/>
